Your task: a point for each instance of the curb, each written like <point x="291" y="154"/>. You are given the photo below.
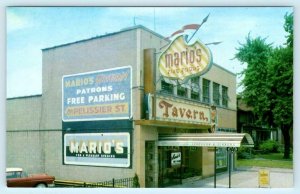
<point x="256" y="169"/>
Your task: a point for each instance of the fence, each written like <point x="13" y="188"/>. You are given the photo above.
<point x="114" y="183"/>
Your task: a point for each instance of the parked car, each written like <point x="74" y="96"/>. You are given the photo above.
<point x="16" y="177"/>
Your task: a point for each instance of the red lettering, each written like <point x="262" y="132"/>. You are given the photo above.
<point x="174" y="112"/>
<point x="195" y="114"/>
<point x="189" y="114"/>
<point x="166" y="106"/>
<point x="182" y="111"/>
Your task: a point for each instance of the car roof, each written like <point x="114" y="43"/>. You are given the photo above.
<point x="13" y="169"/>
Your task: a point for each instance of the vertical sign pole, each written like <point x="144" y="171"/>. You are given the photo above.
<point x="230" y="169"/>
<point x="230" y="152"/>
<point x="181" y="165"/>
<point x="162" y="165"/>
<point x="215" y="169"/>
<point x="229" y="165"/>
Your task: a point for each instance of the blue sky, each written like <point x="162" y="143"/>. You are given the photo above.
<point x="30" y="29"/>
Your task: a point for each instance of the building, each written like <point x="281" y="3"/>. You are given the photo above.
<point x="247" y="123"/>
<point x="105" y="113"/>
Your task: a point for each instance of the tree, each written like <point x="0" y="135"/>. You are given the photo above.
<point x="289" y="28"/>
<point x="268" y="81"/>
<point x="280" y="68"/>
<point x="255" y="53"/>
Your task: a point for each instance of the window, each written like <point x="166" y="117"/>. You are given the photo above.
<point x="225" y="96"/>
<point x="216" y="93"/>
<point x="181" y="91"/>
<point x="14" y="174"/>
<point x="195" y="95"/>
<point x="205" y="89"/>
<point x="166" y="87"/>
<point x="221" y="158"/>
<point x="195" y="88"/>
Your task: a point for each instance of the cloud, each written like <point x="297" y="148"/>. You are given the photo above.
<point x="16" y="22"/>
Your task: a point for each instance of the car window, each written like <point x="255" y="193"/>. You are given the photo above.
<point x="15" y="174"/>
<point x="24" y="174"/>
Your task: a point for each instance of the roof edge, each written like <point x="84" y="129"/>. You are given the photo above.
<point x="21" y="97"/>
<point x="223" y="68"/>
<point x="106" y="35"/>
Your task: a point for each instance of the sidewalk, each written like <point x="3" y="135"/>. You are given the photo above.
<point x="244" y="178"/>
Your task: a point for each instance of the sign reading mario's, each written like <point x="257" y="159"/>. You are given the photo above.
<point x="97" y="149"/>
<point x="182" y="61"/>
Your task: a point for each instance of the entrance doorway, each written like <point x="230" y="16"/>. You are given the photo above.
<point x="205" y="145"/>
<point x="178" y="164"/>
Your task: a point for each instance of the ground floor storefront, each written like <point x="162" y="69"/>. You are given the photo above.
<point x="176" y="155"/>
<point x="160" y="154"/>
<point x="178" y="165"/>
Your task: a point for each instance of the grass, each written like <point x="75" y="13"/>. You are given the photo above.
<point x="274" y="160"/>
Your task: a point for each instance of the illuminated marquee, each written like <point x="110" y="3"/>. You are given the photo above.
<point x="181" y="61"/>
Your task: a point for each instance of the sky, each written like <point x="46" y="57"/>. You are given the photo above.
<point x="30" y="29"/>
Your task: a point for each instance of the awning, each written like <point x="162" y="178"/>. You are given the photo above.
<point x="172" y="124"/>
<point x="206" y="139"/>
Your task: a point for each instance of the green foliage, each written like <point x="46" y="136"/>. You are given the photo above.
<point x="244" y="153"/>
<point x="255" y="53"/>
<point x="280" y="68"/>
<point x="289" y="28"/>
<point x="266" y="163"/>
<point x="273" y="156"/>
<point x="136" y="183"/>
<point x="269" y="146"/>
<point x="272" y="160"/>
<point x="268" y="81"/>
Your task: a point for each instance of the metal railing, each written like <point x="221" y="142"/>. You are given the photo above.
<point x="114" y="183"/>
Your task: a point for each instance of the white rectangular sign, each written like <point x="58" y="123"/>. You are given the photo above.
<point x="175" y="158"/>
<point x="97" y="149"/>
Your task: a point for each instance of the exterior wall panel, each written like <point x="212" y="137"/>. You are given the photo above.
<point x="97" y="54"/>
<point x="25" y="149"/>
<point x="24" y="113"/>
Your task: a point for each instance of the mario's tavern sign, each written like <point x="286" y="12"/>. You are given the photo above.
<point x="181" y="61"/>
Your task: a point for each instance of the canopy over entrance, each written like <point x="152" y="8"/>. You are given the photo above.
<point x="206" y="139"/>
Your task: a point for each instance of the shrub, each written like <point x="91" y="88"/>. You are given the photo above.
<point x="136" y="183"/>
<point x="244" y="153"/>
<point x="269" y="146"/>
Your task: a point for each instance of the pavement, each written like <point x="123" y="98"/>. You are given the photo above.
<point x="244" y="178"/>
